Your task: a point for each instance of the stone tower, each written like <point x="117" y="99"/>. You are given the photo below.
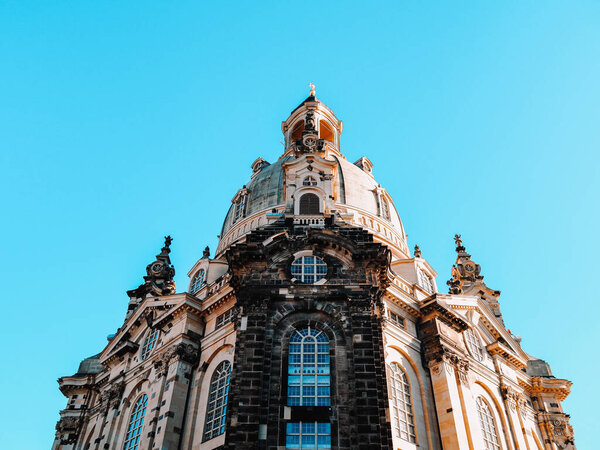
<point x="313" y="327"/>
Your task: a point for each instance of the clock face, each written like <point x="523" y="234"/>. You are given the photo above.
<point x="156" y="267"/>
<point x="310" y="141"/>
<point x="470" y="268"/>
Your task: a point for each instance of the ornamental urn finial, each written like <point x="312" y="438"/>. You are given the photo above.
<point x="417" y="251"/>
<point x="206" y="253"/>
<point x="313" y="90"/>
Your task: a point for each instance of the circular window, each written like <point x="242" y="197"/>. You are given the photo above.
<point x="309" y="269"/>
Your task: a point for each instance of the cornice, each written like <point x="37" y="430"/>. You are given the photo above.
<point x="401" y="303"/>
<point x="506" y="353"/>
<point x="434" y="306"/>
<point x="543" y="385"/>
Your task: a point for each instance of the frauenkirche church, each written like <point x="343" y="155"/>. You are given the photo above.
<point x="313" y="327"/>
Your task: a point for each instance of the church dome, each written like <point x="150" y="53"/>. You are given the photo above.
<point x="312" y="170"/>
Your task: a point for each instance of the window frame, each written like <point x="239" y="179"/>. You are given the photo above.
<point x="301" y="368"/>
<point x="304" y="274"/>
<point x="309" y="180"/>
<point x="474" y="344"/>
<point x="132" y="442"/>
<point x="224" y="318"/>
<point x="402" y="411"/>
<point x="488" y="425"/>
<point x="149" y="344"/>
<point x="425" y="281"/>
<point x="397" y="319"/>
<point x="308" y="206"/>
<point x="214" y="425"/>
<point x="194" y="285"/>
<point x="239" y="208"/>
<point x="318" y="432"/>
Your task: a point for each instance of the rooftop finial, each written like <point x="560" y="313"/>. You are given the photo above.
<point x="313" y="90"/>
<point x="458" y="241"/>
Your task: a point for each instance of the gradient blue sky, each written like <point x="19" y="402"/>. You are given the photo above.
<point x="121" y="122"/>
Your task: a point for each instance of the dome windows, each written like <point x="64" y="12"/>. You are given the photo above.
<point x="309" y="269"/>
<point x="310" y="204"/>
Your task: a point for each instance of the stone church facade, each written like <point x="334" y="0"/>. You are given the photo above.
<point x="314" y="326"/>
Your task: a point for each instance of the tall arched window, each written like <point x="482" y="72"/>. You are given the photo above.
<point x="403" y="421"/>
<point x="197" y="281"/>
<point x="216" y="409"/>
<point x="488" y="425"/>
<point x="308" y="369"/>
<point x="136" y="421"/>
<point x="309" y="204"/>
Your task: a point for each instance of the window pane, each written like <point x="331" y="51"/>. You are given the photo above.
<point x="218" y="396"/>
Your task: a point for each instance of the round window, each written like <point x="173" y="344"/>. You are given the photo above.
<point x="309" y="269"/>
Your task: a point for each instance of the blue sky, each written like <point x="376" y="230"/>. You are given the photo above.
<point x="121" y="122"/>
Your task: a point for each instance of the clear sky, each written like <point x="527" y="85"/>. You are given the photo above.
<point x="121" y="122"/>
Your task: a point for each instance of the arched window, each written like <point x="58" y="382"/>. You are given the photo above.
<point x="149" y="343"/>
<point x="474" y="345"/>
<point x="309" y="181"/>
<point x="309" y="269"/>
<point x="325" y="131"/>
<point x="298" y="129"/>
<point x="385" y="208"/>
<point x="216" y="409"/>
<point x="240" y="207"/>
<point x="488" y="425"/>
<point x="136" y="421"/>
<point x="309" y="204"/>
<point x="425" y="281"/>
<point x="308" y="369"/>
<point x="403" y="421"/>
<point x="197" y="281"/>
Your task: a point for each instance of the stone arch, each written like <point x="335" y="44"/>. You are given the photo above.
<point x="422" y="394"/>
<point x="88" y="441"/>
<point x="536" y="440"/>
<point x="202" y="379"/>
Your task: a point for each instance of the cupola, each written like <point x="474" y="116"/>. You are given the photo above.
<point x="312" y="128"/>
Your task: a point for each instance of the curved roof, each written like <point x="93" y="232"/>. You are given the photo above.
<point x="265" y="190"/>
<point x="357" y="198"/>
